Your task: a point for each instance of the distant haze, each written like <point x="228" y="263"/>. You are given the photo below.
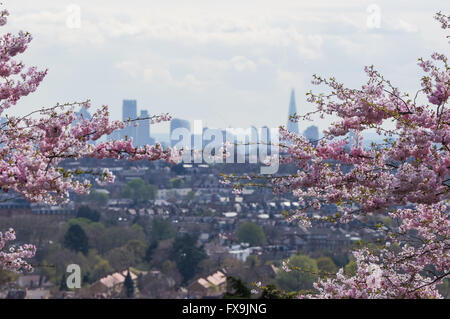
<point x="228" y="63"/>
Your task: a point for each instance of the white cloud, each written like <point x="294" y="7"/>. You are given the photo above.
<point x="241" y="63"/>
<point x="405" y="26"/>
<point x="234" y="55"/>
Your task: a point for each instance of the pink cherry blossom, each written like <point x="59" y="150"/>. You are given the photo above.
<point x="33" y="146"/>
<point x="406" y="177"/>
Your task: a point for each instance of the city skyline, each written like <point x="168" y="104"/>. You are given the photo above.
<point x="229" y="64"/>
<point x="142" y="133"/>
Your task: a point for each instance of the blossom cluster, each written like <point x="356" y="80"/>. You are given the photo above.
<point x="406" y="177"/>
<point x="33" y="146"/>
<point x="412" y="270"/>
<point x="14" y="258"/>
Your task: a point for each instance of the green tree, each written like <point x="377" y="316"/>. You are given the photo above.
<point x="98" y="199"/>
<point x="252" y="262"/>
<point x="128" y="285"/>
<point x="131" y="254"/>
<point x="63" y="282"/>
<point x="88" y="213"/>
<point x="168" y="267"/>
<point x="176" y="183"/>
<point x="187" y="256"/>
<point x="237" y="289"/>
<point x="153" y="191"/>
<point x="304" y="272"/>
<point x="351" y="268"/>
<point x="95" y="266"/>
<point x="114" y="236"/>
<point x="138" y="249"/>
<point x="444" y="288"/>
<point x="75" y="239"/>
<point x="139" y="191"/>
<point x="251" y="233"/>
<point x="150" y="249"/>
<point x="190" y="195"/>
<point x="326" y="266"/>
<point x="161" y="229"/>
<point x="271" y="292"/>
<point x="7" y="276"/>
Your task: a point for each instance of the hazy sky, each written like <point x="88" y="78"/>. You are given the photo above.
<point x="228" y="63"/>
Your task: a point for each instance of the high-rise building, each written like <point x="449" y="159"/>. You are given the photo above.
<point x="129" y="111"/>
<point x="115" y="136"/>
<point x="292" y="126"/>
<point x="143" y="129"/>
<point x="353" y="140"/>
<point x="265" y="140"/>
<point x="179" y="124"/>
<point x="83" y="114"/>
<point x="312" y="134"/>
<point x="3" y="120"/>
<point x="253" y="142"/>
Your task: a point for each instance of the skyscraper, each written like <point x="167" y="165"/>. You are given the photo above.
<point x="129" y="111"/>
<point x="3" y="121"/>
<point x="253" y="141"/>
<point x="353" y="140"/>
<point x="265" y="140"/>
<point x="292" y="126"/>
<point x="312" y="134"/>
<point x="83" y="114"/>
<point x="143" y="130"/>
<point x="179" y="124"/>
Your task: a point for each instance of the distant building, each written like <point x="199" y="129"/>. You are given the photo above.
<point x="312" y="134"/>
<point x="114" y="136"/>
<point x="240" y="252"/>
<point x="129" y="111"/>
<point x="45" y="209"/>
<point x="83" y="114"/>
<point x="292" y="126"/>
<point x="111" y="285"/>
<point x="143" y="130"/>
<point x="3" y="120"/>
<point x="29" y="281"/>
<point x="353" y="141"/>
<point x="38" y="293"/>
<point x="214" y="285"/>
<point x="253" y="141"/>
<point x="265" y="140"/>
<point x="15" y="206"/>
<point x="174" y="136"/>
<point x="164" y="194"/>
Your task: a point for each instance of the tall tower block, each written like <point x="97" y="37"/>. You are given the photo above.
<point x="292" y="126"/>
<point x="129" y="110"/>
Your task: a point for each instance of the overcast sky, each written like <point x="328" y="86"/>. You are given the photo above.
<point x="223" y="62"/>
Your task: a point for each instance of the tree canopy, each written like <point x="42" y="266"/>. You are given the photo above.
<point x="76" y="239"/>
<point x="139" y="191"/>
<point x="187" y="255"/>
<point x="303" y="273"/>
<point x="251" y="233"/>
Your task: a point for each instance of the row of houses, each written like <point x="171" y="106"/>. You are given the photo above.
<point x="212" y="286"/>
<point x="111" y="285"/>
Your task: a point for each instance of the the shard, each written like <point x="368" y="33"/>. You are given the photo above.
<point x="292" y="126"/>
